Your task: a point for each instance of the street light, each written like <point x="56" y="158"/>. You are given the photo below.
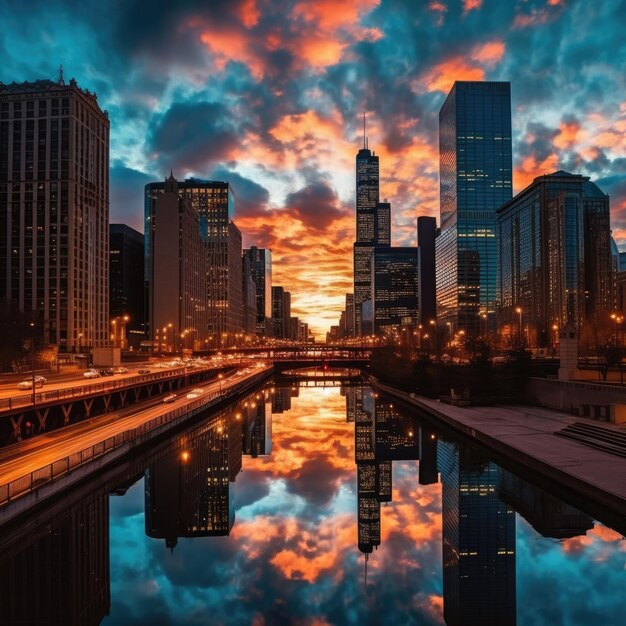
<point x="518" y="310"/>
<point x="32" y="356"/>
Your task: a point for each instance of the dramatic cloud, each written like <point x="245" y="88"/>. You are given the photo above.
<point x="269" y="95"/>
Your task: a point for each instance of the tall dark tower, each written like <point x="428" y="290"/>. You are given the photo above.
<point x="366" y="227"/>
<point x="478" y="541"/>
<point x="475" y="167"/>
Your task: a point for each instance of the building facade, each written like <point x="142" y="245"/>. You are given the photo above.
<point x="260" y="260"/>
<point x="426" y="280"/>
<point x="555" y="263"/>
<point x="54" y="209"/>
<point x="475" y="166"/>
<point x="178" y="311"/>
<point x="249" y="297"/>
<point x="214" y="203"/>
<point x="394" y="280"/>
<point x="126" y="279"/>
<point x="367" y="224"/>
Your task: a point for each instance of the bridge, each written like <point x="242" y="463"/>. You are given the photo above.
<point x="326" y="359"/>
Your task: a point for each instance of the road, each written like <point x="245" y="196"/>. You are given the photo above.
<point x="22" y="458"/>
<point x="12" y="397"/>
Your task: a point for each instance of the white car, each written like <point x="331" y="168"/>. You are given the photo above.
<point x="92" y="374"/>
<point x="169" y="398"/>
<point x="195" y="393"/>
<point x="28" y="384"/>
<point x="121" y="370"/>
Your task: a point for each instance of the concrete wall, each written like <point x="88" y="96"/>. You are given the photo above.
<point x="570" y="396"/>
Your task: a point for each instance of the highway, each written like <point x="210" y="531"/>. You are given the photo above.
<point x="22" y="458"/>
<point x="76" y="382"/>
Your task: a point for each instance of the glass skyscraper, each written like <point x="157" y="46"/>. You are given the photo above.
<point x="475" y="166"/>
<point x="555" y="261"/>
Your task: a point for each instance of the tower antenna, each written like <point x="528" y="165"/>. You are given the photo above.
<point x="61" y="79"/>
<point x="364" y="138"/>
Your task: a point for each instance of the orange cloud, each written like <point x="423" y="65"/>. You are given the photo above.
<point x="531" y="168"/>
<point x="567" y="136"/>
<point x="442" y="76"/>
<point x="489" y="53"/>
<point x="249" y="13"/>
<point x="329" y="15"/>
<point x="471" y="5"/>
<point x="232" y="45"/>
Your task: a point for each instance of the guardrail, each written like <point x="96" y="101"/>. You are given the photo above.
<point x="30" y="482"/>
<point x="85" y="390"/>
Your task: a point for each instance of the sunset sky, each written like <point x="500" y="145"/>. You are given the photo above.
<point x="268" y="95"/>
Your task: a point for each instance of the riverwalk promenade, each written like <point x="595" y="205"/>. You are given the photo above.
<point x="528" y="436"/>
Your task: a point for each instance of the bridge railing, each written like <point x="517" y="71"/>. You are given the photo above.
<point x="46" y="474"/>
<point x="69" y="393"/>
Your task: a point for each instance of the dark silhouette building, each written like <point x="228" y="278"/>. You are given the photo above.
<point x="58" y="574"/>
<point x="260" y="260"/>
<point x="126" y="280"/>
<point x="475" y="166"/>
<point x="281" y="313"/>
<point x="257" y="426"/>
<point x="54" y="203"/>
<point x="426" y="281"/>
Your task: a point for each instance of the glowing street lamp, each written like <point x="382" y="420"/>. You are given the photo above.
<point x="518" y="310"/>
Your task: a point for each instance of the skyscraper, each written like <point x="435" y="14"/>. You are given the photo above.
<point x="54" y="203"/>
<point x="249" y="297"/>
<point x="177" y="268"/>
<point x="366" y="227"/>
<point x="426" y="282"/>
<point x="126" y="277"/>
<point x="261" y="265"/>
<point x="555" y="263"/>
<point x="213" y="201"/>
<point x="475" y="166"/>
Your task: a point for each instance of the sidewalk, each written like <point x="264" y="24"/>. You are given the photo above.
<point x="525" y="434"/>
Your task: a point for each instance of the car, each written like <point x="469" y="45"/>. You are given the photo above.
<point x="91" y="374"/>
<point x="121" y="370"/>
<point x="143" y="371"/>
<point x="170" y="397"/>
<point x="107" y="371"/>
<point x="28" y="384"/>
<point x="195" y="393"/>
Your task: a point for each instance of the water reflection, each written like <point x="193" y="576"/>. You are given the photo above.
<point x="305" y="546"/>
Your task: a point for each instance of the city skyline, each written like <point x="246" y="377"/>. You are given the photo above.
<point x="272" y="103"/>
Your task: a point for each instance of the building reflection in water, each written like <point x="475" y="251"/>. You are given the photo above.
<point x="256" y="414"/>
<point x="478" y="540"/>
<point x="56" y="571"/>
<point x="188" y="491"/>
<point x="479" y="500"/>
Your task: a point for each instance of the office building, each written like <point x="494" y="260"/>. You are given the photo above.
<point x="281" y="313"/>
<point x="213" y="201"/>
<point x="475" y="168"/>
<point x="349" y="315"/>
<point x="383" y="224"/>
<point x="248" y="297"/>
<point x="478" y="541"/>
<point x="178" y="315"/>
<point x="394" y="281"/>
<point x="257" y="427"/>
<point x="126" y="281"/>
<point x="54" y="203"/>
<point x="261" y="265"/>
<point x="555" y="263"/>
<point x="367" y="180"/>
<point x="426" y="279"/>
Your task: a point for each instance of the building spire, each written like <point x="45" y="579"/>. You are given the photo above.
<point x="364" y="136"/>
<point x="61" y="79"/>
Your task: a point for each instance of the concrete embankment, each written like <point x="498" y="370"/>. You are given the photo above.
<point x="73" y="453"/>
<point x="525" y="435"/>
